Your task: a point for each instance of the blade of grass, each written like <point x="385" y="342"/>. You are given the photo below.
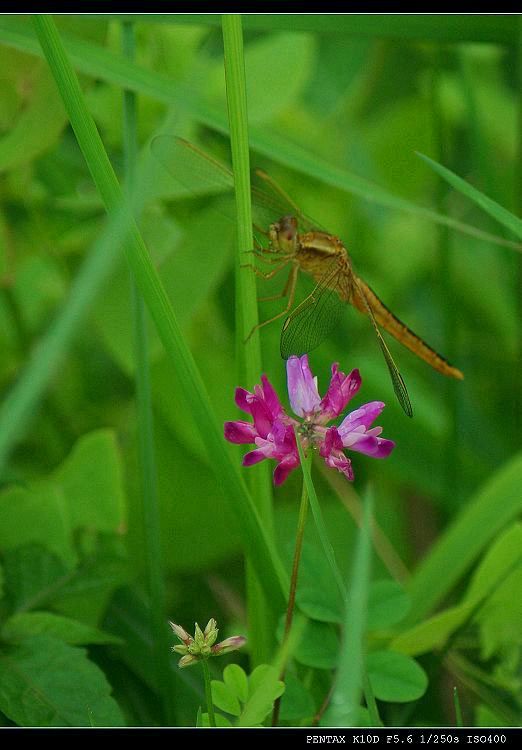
<point x="99" y="63"/>
<point x="145" y="431"/>
<point x="497" y="503"/>
<point x="261" y="627"/>
<point x="343" y="710"/>
<point x="262" y="551"/>
<point x="371" y="703"/>
<point x="491" y="207"/>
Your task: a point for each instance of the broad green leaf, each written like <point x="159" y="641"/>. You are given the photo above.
<point x="319" y="646"/>
<point x="47" y="683"/>
<point x="491" y="207"/>
<point x="91" y="482"/>
<point x="264" y="686"/>
<point x="296" y="703"/>
<point x="485" y="514"/>
<point x="36" y="579"/>
<point x="236" y="679"/>
<point x="394" y="677"/>
<point x="388" y="604"/>
<point x="224" y="698"/>
<point x="26" y="625"/>
<point x="36" y="515"/>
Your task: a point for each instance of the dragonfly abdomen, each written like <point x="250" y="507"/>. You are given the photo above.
<point x="402" y="333"/>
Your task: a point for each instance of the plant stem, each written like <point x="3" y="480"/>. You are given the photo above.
<point x="299" y="537"/>
<point x="145" y="431"/>
<point x="208" y="693"/>
<point x="261" y="614"/>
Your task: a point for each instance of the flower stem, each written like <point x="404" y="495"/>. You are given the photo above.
<point x="208" y="693"/>
<point x="301" y="523"/>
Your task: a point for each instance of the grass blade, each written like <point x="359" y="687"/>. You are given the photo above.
<point x="491" y="207"/>
<point x="249" y="353"/>
<point x="262" y="551"/>
<point x="145" y="430"/>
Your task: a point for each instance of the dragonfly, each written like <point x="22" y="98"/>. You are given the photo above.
<point x="300" y="245"/>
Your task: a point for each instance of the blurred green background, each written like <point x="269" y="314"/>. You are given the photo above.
<point x="332" y="102"/>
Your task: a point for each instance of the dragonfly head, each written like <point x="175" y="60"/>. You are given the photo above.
<point x="283" y="235"/>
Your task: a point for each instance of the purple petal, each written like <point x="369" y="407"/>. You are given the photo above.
<point x="341" y="390"/>
<point x="243" y="399"/>
<point x="283" y="469"/>
<point x="332" y="441"/>
<point x="271" y="397"/>
<point x="240" y="432"/>
<point x="375" y="447"/>
<point x="302" y="386"/>
<point x="262" y="418"/>
<point x="254" y="457"/>
<point x="340" y="462"/>
<point x="229" y="644"/>
<point x="365" y="415"/>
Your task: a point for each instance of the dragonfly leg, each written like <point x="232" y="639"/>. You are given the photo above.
<point x="281" y="294"/>
<point x="265" y="274"/>
<point x="291" y="284"/>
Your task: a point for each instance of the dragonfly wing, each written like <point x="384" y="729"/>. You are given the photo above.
<point x="399" y="386"/>
<point x="311" y="321"/>
<point x="190" y="167"/>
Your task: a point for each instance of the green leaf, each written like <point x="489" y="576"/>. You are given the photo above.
<point x="36" y="515"/>
<point x="264" y="686"/>
<point x="236" y="679"/>
<point x="319" y="646"/>
<point x="92" y="483"/>
<point x="388" y="604"/>
<point x="29" y="624"/>
<point x="224" y="698"/>
<point x="502" y="215"/>
<point x="46" y="683"/>
<point x="296" y="703"/>
<point x="394" y="677"/>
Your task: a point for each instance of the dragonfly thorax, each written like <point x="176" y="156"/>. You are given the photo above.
<point x="283" y="235"/>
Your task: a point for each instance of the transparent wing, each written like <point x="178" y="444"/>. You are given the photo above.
<point x="311" y="321"/>
<point x="196" y="170"/>
<point x="399" y="386"/>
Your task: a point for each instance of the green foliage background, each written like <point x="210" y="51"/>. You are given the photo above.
<point x="337" y="106"/>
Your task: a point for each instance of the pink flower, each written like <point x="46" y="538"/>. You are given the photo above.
<point x="272" y="430"/>
<point x="203" y="645"/>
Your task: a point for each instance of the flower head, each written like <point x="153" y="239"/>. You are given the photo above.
<point x="203" y="644"/>
<point x="272" y="430"/>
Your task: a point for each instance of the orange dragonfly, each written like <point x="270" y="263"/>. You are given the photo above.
<point x="296" y="243"/>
